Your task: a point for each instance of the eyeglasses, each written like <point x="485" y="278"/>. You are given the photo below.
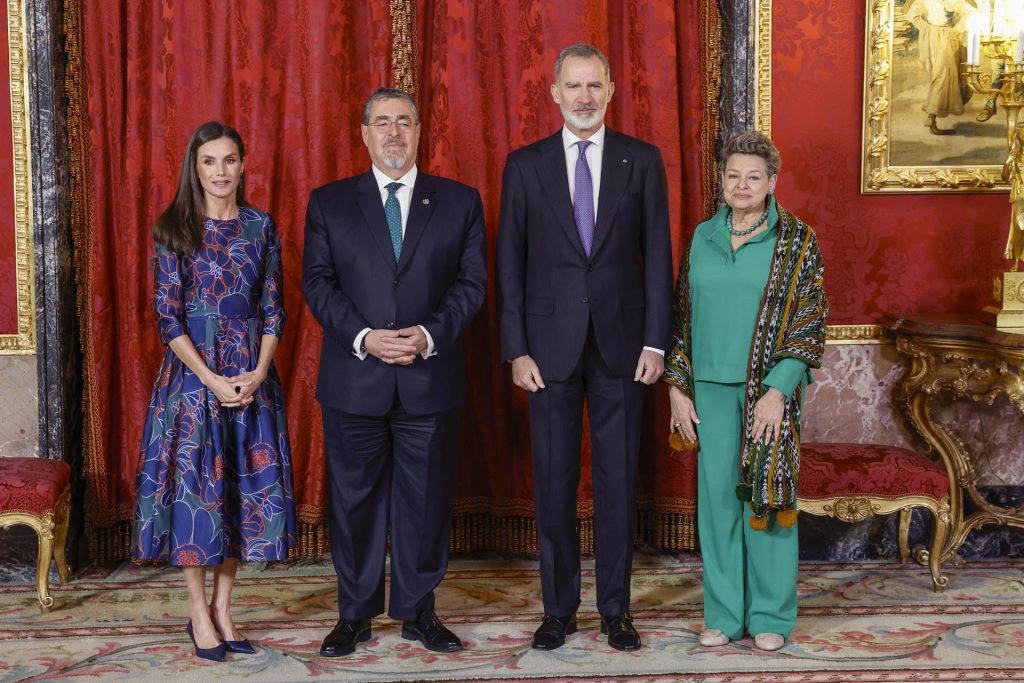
<point x="383" y="125"/>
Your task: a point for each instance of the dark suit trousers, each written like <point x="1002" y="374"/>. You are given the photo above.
<point x="614" y="405"/>
<point x="396" y="466"/>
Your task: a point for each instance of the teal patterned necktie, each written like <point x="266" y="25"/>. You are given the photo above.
<point x="393" y="212"/>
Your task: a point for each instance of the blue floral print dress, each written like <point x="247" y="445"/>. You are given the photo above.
<point x="212" y="482"/>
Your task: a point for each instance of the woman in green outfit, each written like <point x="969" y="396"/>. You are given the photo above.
<point x="749" y="324"/>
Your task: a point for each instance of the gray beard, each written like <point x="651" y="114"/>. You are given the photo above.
<point x="585" y="123"/>
<point x="395" y="161"/>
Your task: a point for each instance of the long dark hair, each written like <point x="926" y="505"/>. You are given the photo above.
<point x="180" y="226"/>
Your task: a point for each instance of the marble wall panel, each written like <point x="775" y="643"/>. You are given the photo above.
<point x="19" y="406"/>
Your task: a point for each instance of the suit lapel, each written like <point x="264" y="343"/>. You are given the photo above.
<point x="420" y="210"/>
<point x="373" y="212"/>
<point x="555" y="182"/>
<point x="616" y="166"/>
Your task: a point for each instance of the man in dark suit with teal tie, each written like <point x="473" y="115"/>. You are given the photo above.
<point x="585" y="284"/>
<point x="394" y="269"/>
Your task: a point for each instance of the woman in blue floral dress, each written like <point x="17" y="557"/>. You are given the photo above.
<point x="214" y="480"/>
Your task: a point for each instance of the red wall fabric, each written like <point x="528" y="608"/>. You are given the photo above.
<point x="8" y="272"/>
<point x="292" y="78"/>
<point x="922" y="253"/>
<point x="485" y="76"/>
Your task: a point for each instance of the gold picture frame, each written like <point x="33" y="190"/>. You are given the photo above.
<point x="24" y="340"/>
<point x="900" y="153"/>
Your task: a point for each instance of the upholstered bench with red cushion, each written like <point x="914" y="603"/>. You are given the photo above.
<point x="851" y="481"/>
<point x="37" y="493"/>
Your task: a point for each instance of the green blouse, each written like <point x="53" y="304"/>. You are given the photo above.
<point x="726" y="288"/>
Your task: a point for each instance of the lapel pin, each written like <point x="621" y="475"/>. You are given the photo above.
<point x="625" y="161"/>
<point x="426" y="201"/>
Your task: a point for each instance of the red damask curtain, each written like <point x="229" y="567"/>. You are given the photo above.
<point x="293" y="77"/>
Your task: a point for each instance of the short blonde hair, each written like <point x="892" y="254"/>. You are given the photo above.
<point x="756" y="143"/>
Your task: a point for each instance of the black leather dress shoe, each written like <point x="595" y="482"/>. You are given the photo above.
<point x="429" y="630"/>
<point x="551" y="633"/>
<point x="342" y="640"/>
<point x="620" y="631"/>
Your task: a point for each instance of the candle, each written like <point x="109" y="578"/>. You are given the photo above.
<point x="1020" y="46"/>
<point x="999" y="18"/>
<point x="971" y="35"/>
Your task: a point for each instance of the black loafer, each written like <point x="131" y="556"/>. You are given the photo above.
<point x="342" y="640"/>
<point x="551" y="633"/>
<point x="620" y="631"/>
<point x="429" y="630"/>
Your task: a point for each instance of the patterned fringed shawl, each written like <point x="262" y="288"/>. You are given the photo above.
<point x="790" y="324"/>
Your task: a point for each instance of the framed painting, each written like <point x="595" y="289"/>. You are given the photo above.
<point x="924" y="130"/>
<point x="17" y="290"/>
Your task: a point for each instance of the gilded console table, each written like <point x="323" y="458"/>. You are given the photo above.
<point x="966" y="358"/>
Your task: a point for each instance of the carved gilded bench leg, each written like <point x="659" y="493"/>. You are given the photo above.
<point x="906" y="514"/>
<point x="942" y="523"/>
<point x="44" y="529"/>
<point x="62" y="518"/>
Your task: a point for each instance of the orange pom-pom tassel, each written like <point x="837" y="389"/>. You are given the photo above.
<point x="678" y="442"/>
<point x="758" y="523"/>
<point x="786" y="518"/>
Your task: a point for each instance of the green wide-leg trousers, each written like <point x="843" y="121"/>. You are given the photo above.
<point x="749" y="576"/>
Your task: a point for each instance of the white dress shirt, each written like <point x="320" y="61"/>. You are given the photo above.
<point x="595" y="155"/>
<point x="404" y="197"/>
<point x="403" y="194"/>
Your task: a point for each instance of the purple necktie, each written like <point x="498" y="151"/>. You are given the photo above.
<point x="583" y="210"/>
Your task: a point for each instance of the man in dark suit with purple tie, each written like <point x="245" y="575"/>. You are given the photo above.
<point x="394" y="268"/>
<point x="584" y="269"/>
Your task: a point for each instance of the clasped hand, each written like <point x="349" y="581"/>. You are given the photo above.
<point x="235" y="392"/>
<point x="396" y="347"/>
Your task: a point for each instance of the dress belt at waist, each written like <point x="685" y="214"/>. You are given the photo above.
<point x="220" y="316"/>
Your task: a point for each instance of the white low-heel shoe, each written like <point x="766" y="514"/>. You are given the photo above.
<point x="712" y="637"/>
<point x="769" y="641"/>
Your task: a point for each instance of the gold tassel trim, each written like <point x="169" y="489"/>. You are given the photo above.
<point x="472" y="531"/>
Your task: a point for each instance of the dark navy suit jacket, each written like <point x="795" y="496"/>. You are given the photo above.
<point x="351" y="281"/>
<point x="549" y="289"/>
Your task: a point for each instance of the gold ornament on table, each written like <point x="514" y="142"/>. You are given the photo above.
<point x="999" y="36"/>
<point x="1013" y="173"/>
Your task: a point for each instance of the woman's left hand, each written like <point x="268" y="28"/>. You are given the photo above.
<point x="247" y="384"/>
<point x="768" y="415"/>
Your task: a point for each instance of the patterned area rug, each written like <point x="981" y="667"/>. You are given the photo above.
<point x="860" y="622"/>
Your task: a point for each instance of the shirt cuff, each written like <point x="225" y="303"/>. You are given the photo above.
<point x="657" y="351"/>
<point x="786" y="374"/>
<point x="357" y="345"/>
<point x="429" y="351"/>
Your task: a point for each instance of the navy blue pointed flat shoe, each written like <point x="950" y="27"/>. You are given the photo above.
<point x="242" y="647"/>
<point x="214" y="654"/>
